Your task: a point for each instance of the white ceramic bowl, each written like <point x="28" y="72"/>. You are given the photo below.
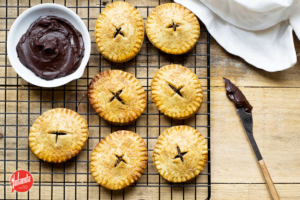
<point x="20" y="27"/>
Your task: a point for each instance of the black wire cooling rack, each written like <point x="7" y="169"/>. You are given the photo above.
<point x="21" y="103"/>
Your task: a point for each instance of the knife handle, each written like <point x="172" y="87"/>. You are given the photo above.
<point x="268" y="179"/>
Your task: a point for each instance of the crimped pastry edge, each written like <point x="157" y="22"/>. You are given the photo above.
<point x="157" y="147"/>
<point x="40" y="155"/>
<point x="166" y="50"/>
<point x="156" y="97"/>
<point x="140" y="168"/>
<point x="103" y="114"/>
<point x="141" y="34"/>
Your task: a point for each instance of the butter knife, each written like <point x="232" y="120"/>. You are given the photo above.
<point x="244" y="109"/>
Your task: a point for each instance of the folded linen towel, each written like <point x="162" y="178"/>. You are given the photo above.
<point x="259" y="31"/>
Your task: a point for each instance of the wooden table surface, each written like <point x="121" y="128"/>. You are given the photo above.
<point x="276" y="114"/>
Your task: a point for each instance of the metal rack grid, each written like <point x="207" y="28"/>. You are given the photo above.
<point x="21" y="103"/>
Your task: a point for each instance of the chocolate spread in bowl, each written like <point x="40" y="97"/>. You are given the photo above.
<point x="51" y="48"/>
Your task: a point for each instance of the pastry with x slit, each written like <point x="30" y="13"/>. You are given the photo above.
<point x="180" y="153"/>
<point x="172" y="28"/>
<point x="117" y="96"/>
<point x="119" y="32"/>
<point x="119" y="160"/>
<point x="176" y="91"/>
<point x="58" y="135"/>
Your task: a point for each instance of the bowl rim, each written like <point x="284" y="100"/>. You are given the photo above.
<point x="63" y="80"/>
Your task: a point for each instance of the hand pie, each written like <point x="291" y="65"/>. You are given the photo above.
<point x="180" y="153"/>
<point x="117" y="96"/>
<point x="172" y="28"/>
<point x="176" y="91"/>
<point x="119" y="32"/>
<point x="119" y="160"/>
<point x="58" y="135"/>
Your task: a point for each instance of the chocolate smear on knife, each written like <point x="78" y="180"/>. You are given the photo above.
<point x="236" y="96"/>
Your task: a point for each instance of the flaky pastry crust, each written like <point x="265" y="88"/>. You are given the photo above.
<point x="119" y="32"/>
<point x="176" y="91"/>
<point x="117" y="96"/>
<point x="186" y="142"/>
<point x="173" y="28"/>
<point x="51" y="147"/>
<point x="119" y="160"/>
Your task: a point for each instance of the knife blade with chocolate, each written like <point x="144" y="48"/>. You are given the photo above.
<point x="244" y="110"/>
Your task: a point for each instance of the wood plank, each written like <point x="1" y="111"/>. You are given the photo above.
<point x="219" y="191"/>
<point x="276" y="130"/>
<point x="254" y="191"/>
<point x="236" y="69"/>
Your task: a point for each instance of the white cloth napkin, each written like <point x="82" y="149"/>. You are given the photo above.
<point x="259" y="31"/>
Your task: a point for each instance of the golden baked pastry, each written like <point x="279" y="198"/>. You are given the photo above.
<point x="119" y="32"/>
<point x="119" y="160"/>
<point x="173" y="28"/>
<point x="180" y="153"/>
<point x="58" y="135"/>
<point x="117" y="96"/>
<point x="176" y="91"/>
